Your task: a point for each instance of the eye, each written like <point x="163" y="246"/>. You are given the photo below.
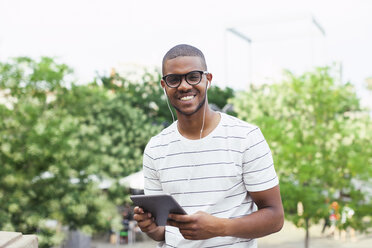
<point x="173" y="79"/>
<point x="193" y="76"/>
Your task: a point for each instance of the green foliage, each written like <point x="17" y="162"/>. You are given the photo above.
<point x="219" y="96"/>
<point x="26" y="76"/>
<point x="57" y="144"/>
<point x="145" y="94"/>
<point x="320" y="140"/>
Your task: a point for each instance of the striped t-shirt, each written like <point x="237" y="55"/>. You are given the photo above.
<point x="214" y="174"/>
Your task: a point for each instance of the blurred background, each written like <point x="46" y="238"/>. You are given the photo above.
<point x="80" y="98"/>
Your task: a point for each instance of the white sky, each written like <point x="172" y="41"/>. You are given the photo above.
<point x="95" y="35"/>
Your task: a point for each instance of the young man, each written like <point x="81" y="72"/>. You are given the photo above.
<point x="217" y="167"/>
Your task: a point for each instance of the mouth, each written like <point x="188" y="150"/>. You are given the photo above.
<point x="187" y="98"/>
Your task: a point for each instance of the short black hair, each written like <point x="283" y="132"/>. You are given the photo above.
<point x="184" y="50"/>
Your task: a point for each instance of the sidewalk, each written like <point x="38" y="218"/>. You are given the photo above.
<point x="289" y="237"/>
<point x="292" y="237"/>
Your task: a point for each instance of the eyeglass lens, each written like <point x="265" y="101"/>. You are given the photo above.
<point x="193" y="78"/>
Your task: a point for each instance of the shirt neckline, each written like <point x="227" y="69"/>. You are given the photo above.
<point x="198" y="142"/>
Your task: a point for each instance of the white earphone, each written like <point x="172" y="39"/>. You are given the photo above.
<point x="166" y="98"/>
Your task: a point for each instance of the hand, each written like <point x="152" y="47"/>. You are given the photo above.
<point x="198" y="226"/>
<point x="144" y="219"/>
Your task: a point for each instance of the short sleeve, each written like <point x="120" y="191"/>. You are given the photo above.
<point x="258" y="165"/>
<point x="152" y="184"/>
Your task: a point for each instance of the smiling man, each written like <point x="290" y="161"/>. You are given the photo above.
<point x="217" y="167"/>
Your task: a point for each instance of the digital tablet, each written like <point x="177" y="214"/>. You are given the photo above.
<point x="159" y="206"/>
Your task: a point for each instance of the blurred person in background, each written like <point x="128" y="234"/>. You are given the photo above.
<point x="334" y="217"/>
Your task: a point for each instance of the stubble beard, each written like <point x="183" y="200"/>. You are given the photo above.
<point x="196" y="110"/>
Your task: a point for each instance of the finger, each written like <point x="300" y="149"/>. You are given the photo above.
<point x="187" y="237"/>
<point x="186" y="232"/>
<point x="148" y="228"/>
<point x="138" y="210"/>
<point x="190" y="237"/>
<point x="172" y="223"/>
<point x="146" y="223"/>
<point x="176" y="223"/>
<point x="190" y="234"/>
<point x="181" y="225"/>
<point x="142" y="217"/>
<point x="138" y="217"/>
<point x="180" y="217"/>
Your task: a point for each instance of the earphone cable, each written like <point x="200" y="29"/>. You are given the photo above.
<point x="205" y="107"/>
<point x="166" y="98"/>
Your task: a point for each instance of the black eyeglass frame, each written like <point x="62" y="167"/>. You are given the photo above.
<point x="185" y="76"/>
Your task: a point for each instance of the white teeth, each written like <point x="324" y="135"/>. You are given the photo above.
<point x="185" y="98"/>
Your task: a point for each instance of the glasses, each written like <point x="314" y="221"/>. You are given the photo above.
<point x="192" y="78"/>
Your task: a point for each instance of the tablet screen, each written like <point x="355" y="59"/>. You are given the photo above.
<point x="159" y="206"/>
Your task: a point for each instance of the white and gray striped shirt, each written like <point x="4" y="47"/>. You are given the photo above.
<point x="214" y="174"/>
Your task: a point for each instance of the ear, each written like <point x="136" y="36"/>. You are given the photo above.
<point x="162" y="83"/>
<point x="209" y="78"/>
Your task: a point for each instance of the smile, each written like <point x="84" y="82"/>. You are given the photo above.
<point x="186" y="98"/>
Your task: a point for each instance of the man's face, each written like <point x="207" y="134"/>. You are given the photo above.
<point x="186" y="99"/>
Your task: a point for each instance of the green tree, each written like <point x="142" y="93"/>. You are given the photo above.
<point x="220" y="96"/>
<point x="320" y="140"/>
<point x="58" y="141"/>
<point x="24" y="75"/>
<point x="144" y="93"/>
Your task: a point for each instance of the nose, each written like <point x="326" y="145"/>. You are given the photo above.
<point x="184" y="84"/>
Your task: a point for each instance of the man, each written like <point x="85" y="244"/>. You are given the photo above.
<point x="217" y="167"/>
